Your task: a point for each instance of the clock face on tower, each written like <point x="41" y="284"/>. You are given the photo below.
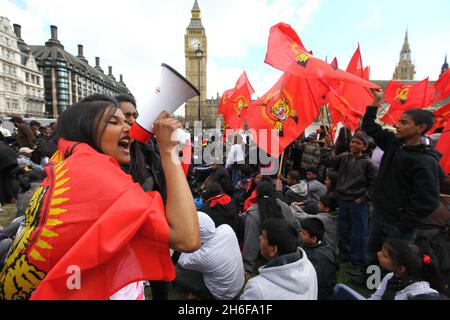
<point x="195" y="44"/>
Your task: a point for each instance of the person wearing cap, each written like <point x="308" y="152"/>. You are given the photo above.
<point x="24" y="160"/>
<point x="25" y="136"/>
<point x="356" y="181"/>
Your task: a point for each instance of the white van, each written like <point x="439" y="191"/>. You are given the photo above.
<point x="7" y="124"/>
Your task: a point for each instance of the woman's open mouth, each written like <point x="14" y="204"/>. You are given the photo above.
<point x="124" y="144"/>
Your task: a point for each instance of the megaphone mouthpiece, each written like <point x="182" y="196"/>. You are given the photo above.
<point x="173" y="90"/>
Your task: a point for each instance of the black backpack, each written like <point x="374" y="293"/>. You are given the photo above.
<point x="436" y="241"/>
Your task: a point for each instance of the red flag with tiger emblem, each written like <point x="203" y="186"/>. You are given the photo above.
<point x="402" y="97"/>
<point x="284" y="112"/>
<point x="234" y="103"/>
<point x="106" y="236"/>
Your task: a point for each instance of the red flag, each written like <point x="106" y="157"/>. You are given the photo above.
<point x="441" y="117"/>
<point x="335" y="64"/>
<point x="108" y="236"/>
<point x="289" y="108"/>
<point x="223" y="101"/>
<point x="355" y="65"/>
<point x="402" y="97"/>
<point x="286" y="52"/>
<point x="443" y="146"/>
<point x="443" y="86"/>
<point x="244" y="85"/>
<point x="342" y="111"/>
<point x="367" y="73"/>
<point x="348" y="102"/>
<point x="357" y="97"/>
<point x="234" y="103"/>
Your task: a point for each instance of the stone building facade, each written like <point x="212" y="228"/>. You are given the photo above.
<point x="21" y="81"/>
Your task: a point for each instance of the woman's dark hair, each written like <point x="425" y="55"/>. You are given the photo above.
<point x="421" y="116"/>
<point x="267" y="204"/>
<point x="82" y="122"/>
<point x="418" y="264"/>
<point x="137" y="168"/>
<point x="212" y="189"/>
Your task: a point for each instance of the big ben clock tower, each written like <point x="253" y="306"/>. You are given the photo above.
<point x="196" y="52"/>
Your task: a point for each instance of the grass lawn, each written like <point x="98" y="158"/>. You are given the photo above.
<point x="7" y="214"/>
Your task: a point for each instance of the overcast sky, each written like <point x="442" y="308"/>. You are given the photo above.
<point x="136" y="36"/>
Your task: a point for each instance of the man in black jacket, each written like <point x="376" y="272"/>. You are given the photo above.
<point x="407" y="188"/>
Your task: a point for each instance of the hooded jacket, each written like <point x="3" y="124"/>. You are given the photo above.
<point x="297" y="193"/>
<point x="407" y="189"/>
<point x="218" y="259"/>
<point x="356" y="175"/>
<point x="289" y="277"/>
<point x="222" y="210"/>
<point x="323" y="259"/>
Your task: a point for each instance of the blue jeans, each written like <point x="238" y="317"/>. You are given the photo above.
<point x="379" y="231"/>
<point x="343" y="292"/>
<point x="353" y="231"/>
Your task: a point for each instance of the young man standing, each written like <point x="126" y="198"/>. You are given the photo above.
<point x="407" y="188"/>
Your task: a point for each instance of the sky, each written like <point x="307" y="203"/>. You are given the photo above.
<point x="136" y="36"/>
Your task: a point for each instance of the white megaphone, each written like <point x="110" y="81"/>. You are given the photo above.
<point x="172" y="92"/>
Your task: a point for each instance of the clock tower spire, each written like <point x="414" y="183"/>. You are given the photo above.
<point x="196" y="53"/>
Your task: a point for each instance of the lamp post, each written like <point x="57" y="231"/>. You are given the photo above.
<point x="198" y="55"/>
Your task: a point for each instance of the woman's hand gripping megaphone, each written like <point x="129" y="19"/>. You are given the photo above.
<point x="164" y="129"/>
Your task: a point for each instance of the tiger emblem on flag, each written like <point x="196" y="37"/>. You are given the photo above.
<point x="277" y="110"/>
<point x="402" y="94"/>
<point x="239" y="105"/>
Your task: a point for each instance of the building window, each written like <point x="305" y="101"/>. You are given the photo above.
<point x="27" y="77"/>
<point x="38" y="81"/>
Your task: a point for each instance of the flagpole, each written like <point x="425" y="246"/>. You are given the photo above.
<point x="329" y="122"/>
<point x="281" y="164"/>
